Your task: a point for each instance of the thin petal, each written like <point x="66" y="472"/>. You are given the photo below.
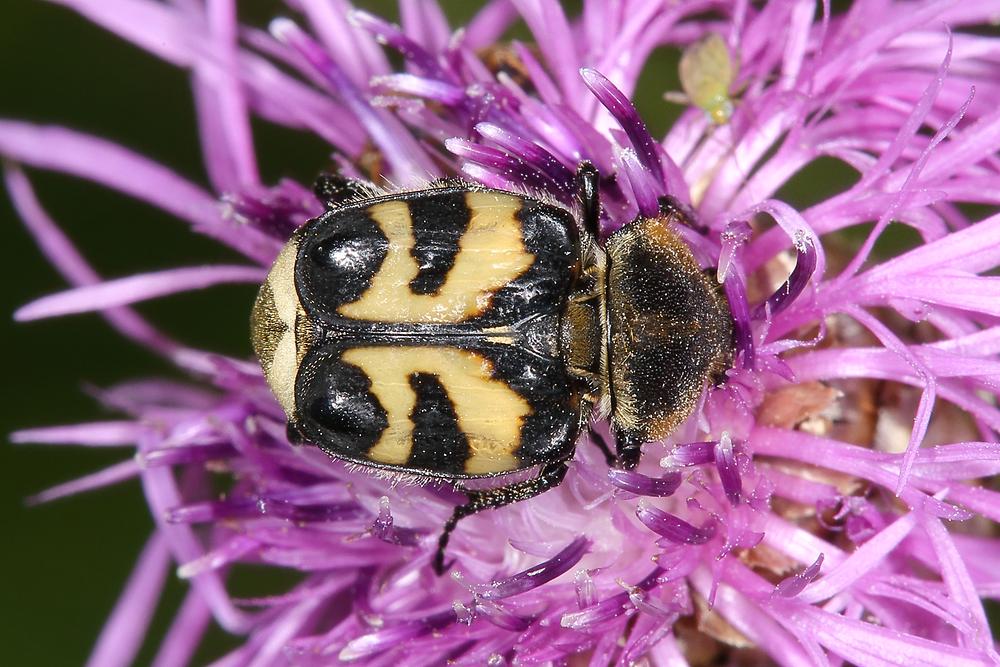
<point x="59" y="149"/>
<point x="111" y="475"/>
<point x="124" y="632"/>
<point x="124" y="291"/>
<point x="185" y="633"/>
<point x="537" y="575"/>
<point x="95" y="434"/>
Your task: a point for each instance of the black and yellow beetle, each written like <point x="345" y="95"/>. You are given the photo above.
<point x="462" y="332"/>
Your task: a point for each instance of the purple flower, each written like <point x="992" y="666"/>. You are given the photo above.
<point x="827" y="503"/>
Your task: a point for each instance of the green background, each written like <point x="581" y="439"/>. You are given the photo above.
<point x="64" y="563"/>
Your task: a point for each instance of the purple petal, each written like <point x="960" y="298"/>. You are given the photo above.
<point x="185" y="455"/>
<point x="374" y="643"/>
<point x="162" y="493"/>
<point x="408" y="160"/>
<point x="902" y="197"/>
<point x="961" y="587"/>
<point x="586" y="594"/>
<point x="246" y="508"/>
<point x="734" y="237"/>
<point x="219" y="557"/>
<point x="639" y="484"/>
<point x="347" y="42"/>
<point x="864" y="643"/>
<point x="489" y="24"/>
<point x="426" y="23"/>
<point x="58" y="249"/>
<point x="642" y="182"/>
<point x="508" y="166"/>
<point x="502" y="618"/>
<point x="555" y="39"/>
<point x="621" y="108"/>
<point x="430" y="89"/>
<point x="391" y="35"/>
<point x="610" y="608"/>
<point x="223" y="116"/>
<point x="530" y="152"/>
<point x="690" y="454"/>
<point x="125" y="629"/>
<point x="792" y="586"/>
<point x="276" y="211"/>
<point x="58" y="149"/>
<point x="95" y="434"/>
<point x="805" y="265"/>
<point x="384" y="528"/>
<point x="536" y="576"/>
<point x="124" y="291"/>
<point x="673" y="528"/>
<point x="111" y="475"/>
<point x="736" y="294"/>
<point x="729" y="474"/>
<point x="185" y="633"/>
<point x="851" y="460"/>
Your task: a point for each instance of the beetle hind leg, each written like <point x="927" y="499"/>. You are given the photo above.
<point x="551" y="475"/>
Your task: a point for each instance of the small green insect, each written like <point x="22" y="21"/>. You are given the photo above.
<point x="707" y="72"/>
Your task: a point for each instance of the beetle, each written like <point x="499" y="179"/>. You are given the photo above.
<point x="461" y="332"/>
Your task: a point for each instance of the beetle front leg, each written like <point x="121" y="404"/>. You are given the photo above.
<point x="588" y="184"/>
<point x="628" y="446"/>
<point x="598" y="439"/>
<point x="551" y="475"/>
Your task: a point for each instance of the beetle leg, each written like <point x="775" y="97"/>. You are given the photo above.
<point x="584" y="297"/>
<point x="334" y="189"/>
<point x="551" y="475"/>
<point x="588" y="184"/>
<point x="672" y="208"/>
<point x="602" y="444"/>
<point x="628" y="445"/>
<point x="294" y="435"/>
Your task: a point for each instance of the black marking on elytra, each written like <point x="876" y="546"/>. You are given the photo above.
<point x="337" y="411"/>
<point x="557" y="415"/>
<point x="338" y="256"/>
<point x="550" y="234"/>
<point x="335" y="407"/>
<point x="438" y="442"/>
<point x="438" y="222"/>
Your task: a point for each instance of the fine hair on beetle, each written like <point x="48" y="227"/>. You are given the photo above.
<point x="469" y="335"/>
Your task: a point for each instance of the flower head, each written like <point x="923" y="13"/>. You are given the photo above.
<point x="826" y="501"/>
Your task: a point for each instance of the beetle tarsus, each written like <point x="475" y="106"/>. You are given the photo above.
<point x="551" y="475"/>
